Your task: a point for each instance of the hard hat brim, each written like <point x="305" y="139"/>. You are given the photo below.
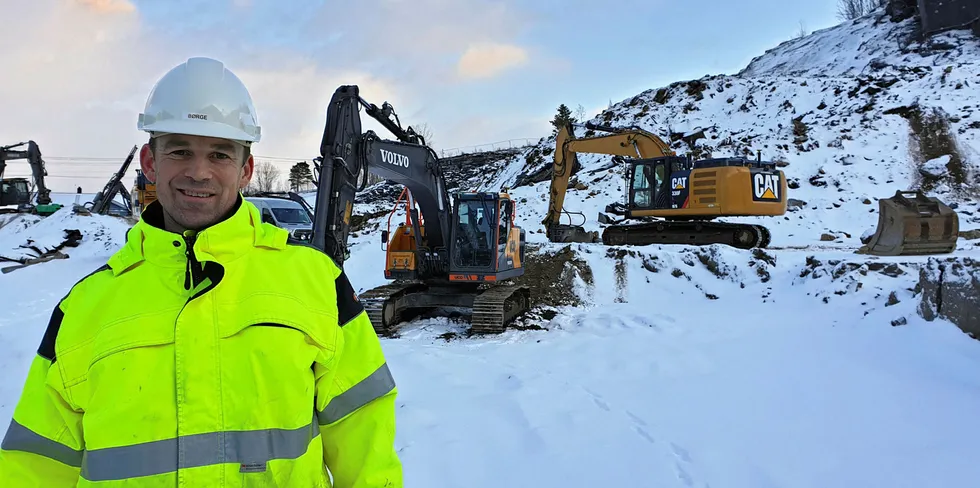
<point x="200" y="128"/>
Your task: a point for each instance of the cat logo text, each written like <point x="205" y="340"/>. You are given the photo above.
<point x="766" y="187"/>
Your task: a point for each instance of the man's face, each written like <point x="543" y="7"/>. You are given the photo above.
<point x="198" y="178"/>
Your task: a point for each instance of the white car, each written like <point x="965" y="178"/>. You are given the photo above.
<point x="286" y="214"/>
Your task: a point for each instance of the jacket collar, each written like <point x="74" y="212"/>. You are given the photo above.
<point x="231" y="238"/>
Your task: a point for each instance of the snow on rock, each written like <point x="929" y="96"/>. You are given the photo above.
<point x="870" y="44"/>
<point x="937" y="167"/>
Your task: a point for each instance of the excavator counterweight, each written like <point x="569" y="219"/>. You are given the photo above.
<point x="910" y="223"/>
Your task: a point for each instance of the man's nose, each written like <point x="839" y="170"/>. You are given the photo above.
<point x="198" y="168"/>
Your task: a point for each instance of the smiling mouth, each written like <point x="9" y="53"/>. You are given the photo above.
<point x="196" y="194"/>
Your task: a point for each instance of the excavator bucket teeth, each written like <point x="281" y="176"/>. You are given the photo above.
<point x="911" y="223"/>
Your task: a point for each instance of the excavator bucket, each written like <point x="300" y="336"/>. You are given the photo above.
<point x="571" y="233"/>
<point x="911" y="223"/>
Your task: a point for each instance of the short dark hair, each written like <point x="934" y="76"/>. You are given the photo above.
<point x="153" y="149"/>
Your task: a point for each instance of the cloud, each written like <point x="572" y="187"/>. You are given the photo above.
<point x="291" y="98"/>
<point x="487" y="60"/>
<point x="108" y="6"/>
<point x="84" y="69"/>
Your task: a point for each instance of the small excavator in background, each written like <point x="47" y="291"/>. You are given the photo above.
<point x="449" y="252"/>
<point x="16" y="191"/>
<point x="631" y="142"/>
<point x="674" y="196"/>
<point x="102" y="203"/>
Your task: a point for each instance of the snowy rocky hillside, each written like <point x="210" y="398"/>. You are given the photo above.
<point x="853" y="113"/>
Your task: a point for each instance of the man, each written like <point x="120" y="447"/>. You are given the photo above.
<point x="210" y="350"/>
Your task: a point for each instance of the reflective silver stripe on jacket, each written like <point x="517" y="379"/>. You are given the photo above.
<point x="157" y="457"/>
<point x="20" y="438"/>
<point x="376" y="385"/>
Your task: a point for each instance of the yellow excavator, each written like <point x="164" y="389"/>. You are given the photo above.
<point x="675" y="196"/>
<point x="632" y="142"/>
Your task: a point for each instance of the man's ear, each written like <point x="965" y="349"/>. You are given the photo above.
<point x="148" y="164"/>
<point x="247" y="170"/>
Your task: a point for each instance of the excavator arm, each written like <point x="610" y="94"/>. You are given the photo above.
<point x="629" y="142"/>
<point x="347" y="154"/>
<point x="103" y="200"/>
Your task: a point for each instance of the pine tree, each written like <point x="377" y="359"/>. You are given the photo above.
<point x="563" y="117"/>
<point x="299" y="175"/>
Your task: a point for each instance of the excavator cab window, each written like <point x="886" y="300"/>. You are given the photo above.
<point x="645" y="184"/>
<point x="14" y="192"/>
<point x="505" y="221"/>
<point x="475" y="233"/>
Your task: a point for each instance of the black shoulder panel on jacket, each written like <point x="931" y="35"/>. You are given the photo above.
<point x="348" y="307"/>
<point x="46" y="349"/>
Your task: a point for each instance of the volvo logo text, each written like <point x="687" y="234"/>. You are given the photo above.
<point x="394" y="158"/>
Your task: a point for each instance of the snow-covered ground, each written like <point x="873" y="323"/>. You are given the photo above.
<point x="804" y="366"/>
<point x="651" y="382"/>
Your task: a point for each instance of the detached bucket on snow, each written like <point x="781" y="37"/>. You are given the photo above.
<point x="911" y="223"/>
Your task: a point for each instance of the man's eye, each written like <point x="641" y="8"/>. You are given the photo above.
<point x="221" y="156"/>
<point x="179" y="153"/>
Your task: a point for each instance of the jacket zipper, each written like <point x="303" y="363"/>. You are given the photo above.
<point x="191" y="272"/>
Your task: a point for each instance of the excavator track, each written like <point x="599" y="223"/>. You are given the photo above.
<point x="493" y="308"/>
<point x="385" y="320"/>
<point x="697" y="233"/>
<point x="498" y="306"/>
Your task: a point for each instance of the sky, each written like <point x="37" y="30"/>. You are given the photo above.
<point x="77" y="72"/>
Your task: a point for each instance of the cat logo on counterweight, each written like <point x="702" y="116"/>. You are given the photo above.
<point x="766" y="187"/>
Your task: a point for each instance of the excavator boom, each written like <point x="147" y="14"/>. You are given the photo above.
<point x="346" y="154"/>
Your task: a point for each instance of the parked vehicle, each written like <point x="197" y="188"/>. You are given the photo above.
<point x="286" y="214"/>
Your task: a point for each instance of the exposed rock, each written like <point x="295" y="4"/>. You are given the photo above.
<point x="792" y="204"/>
<point x="949" y="290"/>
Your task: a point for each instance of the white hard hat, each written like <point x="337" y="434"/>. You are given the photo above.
<point x="201" y="97"/>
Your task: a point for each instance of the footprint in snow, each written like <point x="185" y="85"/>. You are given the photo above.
<point x="682" y="464"/>
<point x="597" y="399"/>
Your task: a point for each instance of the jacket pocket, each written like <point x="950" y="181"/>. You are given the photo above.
<point x="279" y="310"/>
<point x="128" y="389"/>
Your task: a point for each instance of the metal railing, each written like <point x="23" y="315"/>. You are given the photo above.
<point x="491" y="146"/>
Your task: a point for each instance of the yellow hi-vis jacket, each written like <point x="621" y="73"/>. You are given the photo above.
<point x="229" y="358"/>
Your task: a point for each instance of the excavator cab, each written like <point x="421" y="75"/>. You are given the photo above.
<point x="486" y="245"/>
<point x="14" y="191"/>
<point x="911" y="223"/>
<point x="658" y="183"/>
